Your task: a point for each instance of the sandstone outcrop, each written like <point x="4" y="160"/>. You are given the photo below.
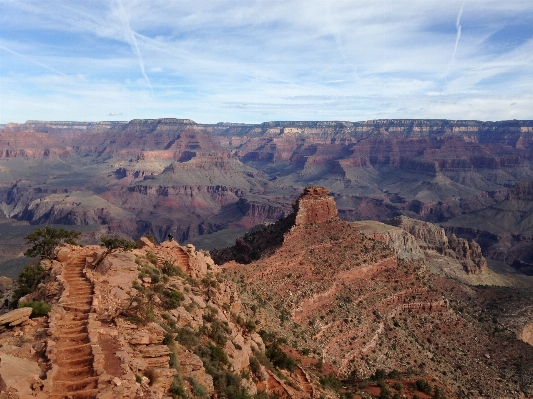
<point x="401" y="241"/>
<point x="14" y="318"/>
<point x="431" y="237"/>
<point x="315" y="205"/>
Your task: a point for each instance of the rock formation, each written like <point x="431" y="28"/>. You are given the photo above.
<point x="347" y="299"/>
<point x="434" y="238"/>
<point x="315" y="205"/>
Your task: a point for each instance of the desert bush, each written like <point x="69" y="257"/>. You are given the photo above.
<point x="176" y="388"/>
<point x="379" y="375"/>
<point x="255" y="366"/>
<point x="187" y="337"/>
<point x="423" y="386"/>
<point x="170" y="269"/>
<point x="394" y="374"/>
<point x="210" y="314"/>
<point x="172" y="299"/>
<point x="438" y="393"/>
<point x="152" y="258"/>
<point x="39" y="308"/>
<point x="279" y="358"/>
<point x="398" y="386"/>
<point x="332" y="382"/>
<point x="219" y="331"/>
<point x="27" y="281"/>
<point x="151" y="238"/>
<point x="197" y="389"/>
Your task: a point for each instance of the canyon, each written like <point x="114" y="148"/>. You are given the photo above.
<point x="292" y="307"/>
<point x="208" y="184"/>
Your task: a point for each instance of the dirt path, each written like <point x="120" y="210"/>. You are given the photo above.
<point x="304" y="382"/>
<point x="183" y="260"/>
<point x="75" y="378"/>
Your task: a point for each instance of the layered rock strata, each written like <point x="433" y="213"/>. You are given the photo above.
<point x="434" y="238"/>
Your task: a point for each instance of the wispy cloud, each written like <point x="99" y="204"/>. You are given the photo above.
<point x="31" y="60"/>
<point x="458" y="28"/>
<point x="204" y="60"/>
<point x="130" y="37"/>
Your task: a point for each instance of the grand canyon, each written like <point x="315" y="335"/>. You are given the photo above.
<point x="309" y="260"/>
<point x="208" y="184"/>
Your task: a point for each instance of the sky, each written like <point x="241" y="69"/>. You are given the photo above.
<point x="266" y="60"/>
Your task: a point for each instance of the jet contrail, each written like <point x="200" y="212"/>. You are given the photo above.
<point x="32" y="61"/>
<point x="130" y="37"/>
<point x="458" y="27"/>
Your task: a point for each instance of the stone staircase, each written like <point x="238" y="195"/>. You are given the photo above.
<point x="72" y="357"/>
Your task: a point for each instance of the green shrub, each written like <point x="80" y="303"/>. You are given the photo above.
<point x="331" y="381"/>
<point x="197" y="389"/>
<point x="379" y="375"/>
<point x="438" y="393"/>
<point x="172" y="299"/>
<point x="423" y="386"/>
<point x="187" y="337"/>
<point x="218" y="332"/>
<point x="151" y="238"/>
<point x="27" y="281"/>
<point x="279" y="358"/>
<point x="176" y="388"/>
<point x="384" y="390"/>
<point x="170" y="269"/>
<point x="255" y="366"/>
<point x="394" y="374"/>
<point x="39" y="308"/>
<point x="152" y="258"/>
<point x="210" y="314"/>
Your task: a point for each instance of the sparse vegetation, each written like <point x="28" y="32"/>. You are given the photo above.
<point x="423" y="386"/>
<point x="331" y="381"/>
<point x="45" y="240"/>
<point x="27" y="282"/>
<point x="39" y="308"/>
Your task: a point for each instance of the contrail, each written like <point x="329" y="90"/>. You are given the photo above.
<point x="130" y="37"/>
<point x="458" y="26"/>
<point x="32" y="61"/>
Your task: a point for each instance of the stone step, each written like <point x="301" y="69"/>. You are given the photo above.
<point x="73" y="372"/>
<point x="78" y="361"/>
<point x="71" y="336"/>
<point x="76" y="308"/>
<point x="77" y="385"/>
<point x="74" y="346"/>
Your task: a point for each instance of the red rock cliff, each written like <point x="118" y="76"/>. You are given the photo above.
<point x="315" y="205"/>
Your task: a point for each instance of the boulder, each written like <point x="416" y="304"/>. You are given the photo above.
<point x="16" y="316"/>
<point x="18" y="374"/>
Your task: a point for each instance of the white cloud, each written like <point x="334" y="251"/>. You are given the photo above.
<point x="288" y="59"/>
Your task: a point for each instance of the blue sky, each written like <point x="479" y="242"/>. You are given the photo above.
<point x="254" y="61"/>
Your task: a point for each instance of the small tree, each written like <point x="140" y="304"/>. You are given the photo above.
<point x="46" y="239"/>
<point x="113" y="244"/>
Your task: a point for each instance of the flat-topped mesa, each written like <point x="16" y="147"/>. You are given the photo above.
<point x="315" y="205"/>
